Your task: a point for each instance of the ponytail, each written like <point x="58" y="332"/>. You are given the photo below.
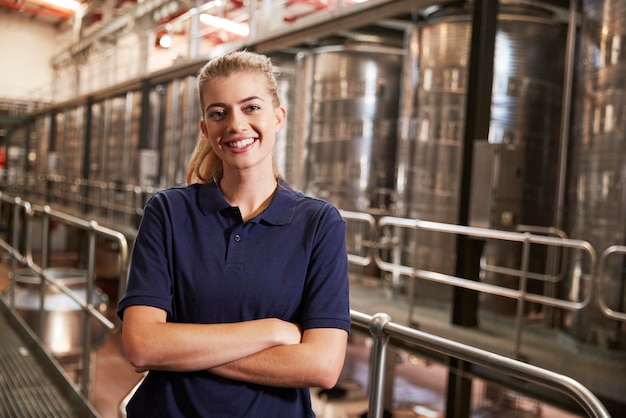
<point x="204" y="165"/>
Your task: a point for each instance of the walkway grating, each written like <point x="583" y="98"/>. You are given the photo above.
<point x="31" y="386"/>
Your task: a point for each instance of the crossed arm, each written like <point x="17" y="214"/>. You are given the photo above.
<point x="265" y="351"/>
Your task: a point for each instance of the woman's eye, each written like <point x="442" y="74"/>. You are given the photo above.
<point x="252" y="108"/>
<point x="216" y="114"/>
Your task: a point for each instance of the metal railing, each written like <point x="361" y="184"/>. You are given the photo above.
<point x="366" y="255"/>
<point x="114" y="204"/>
<point x="384" y="330"/>
<point x="23" y="218"/>
<point x="380" y="326"/>
<point x="520" y="295"/>
<point x="606" y="310"/>
<point x="103" y="199"/>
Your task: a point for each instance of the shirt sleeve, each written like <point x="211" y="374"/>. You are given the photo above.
<point x="326" y="303"/>
<point x="149" y="278"/>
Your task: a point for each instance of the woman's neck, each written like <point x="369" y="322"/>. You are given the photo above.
<point x="251" y="195"/>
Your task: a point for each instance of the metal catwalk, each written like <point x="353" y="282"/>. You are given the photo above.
<point x="31" y="383"/>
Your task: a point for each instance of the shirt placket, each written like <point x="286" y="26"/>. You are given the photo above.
<point x="236" y="243"/>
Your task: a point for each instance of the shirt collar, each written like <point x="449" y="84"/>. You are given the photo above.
<point x="279" y="212"/>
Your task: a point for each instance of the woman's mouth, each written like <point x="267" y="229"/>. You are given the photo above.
<point x="242" y="143"/>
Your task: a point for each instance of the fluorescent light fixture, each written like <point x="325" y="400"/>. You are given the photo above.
<point x="63" y="4"/>
<point x="228" y="25"/>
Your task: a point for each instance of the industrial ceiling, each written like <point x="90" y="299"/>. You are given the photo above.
<point x="38" y="11"/>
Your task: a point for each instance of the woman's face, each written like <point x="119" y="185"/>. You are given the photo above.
<point x="240" y="121"/>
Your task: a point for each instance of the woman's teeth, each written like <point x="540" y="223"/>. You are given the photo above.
<point x="242" y="143"/>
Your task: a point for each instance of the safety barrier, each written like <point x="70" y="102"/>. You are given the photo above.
<point x="380" y="326"/>
<point x="23" y="218"/>
<point x="606" y="310"/>
<point x="107" y="200"/>
<point x="380" y="239"/>
<point x="383" y="330"/>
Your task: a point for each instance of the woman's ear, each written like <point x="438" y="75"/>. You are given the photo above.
<point x="203" y="128"/>
<point x="281" y="114"/>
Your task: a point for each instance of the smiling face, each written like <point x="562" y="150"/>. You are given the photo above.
<point x="240" y="121"/>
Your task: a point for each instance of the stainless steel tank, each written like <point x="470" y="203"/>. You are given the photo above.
<point x="434" y="146"/>
<point x="598" y="156"/>
<point x="114" y="145"/>
<point x="62" y="329"/>
<point x="525" y="113"/>
<point x="286" y="148"/>
<point x="115" y="163"/>
<point x="352" y="110"/>
<point x="348" y="114"/>
<point x="174" y="131"/>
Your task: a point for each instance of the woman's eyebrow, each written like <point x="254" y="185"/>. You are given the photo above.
<point x="247" y="99"/>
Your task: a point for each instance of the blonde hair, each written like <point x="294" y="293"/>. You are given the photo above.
<point x="205" y="166"/>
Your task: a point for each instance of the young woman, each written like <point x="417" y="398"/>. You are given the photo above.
<point x="237" y="296"/>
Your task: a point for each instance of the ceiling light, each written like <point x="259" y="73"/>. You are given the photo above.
<point x="63" y="4"/>
<point x="165" y="41"/>
<point x="228" y="25"/>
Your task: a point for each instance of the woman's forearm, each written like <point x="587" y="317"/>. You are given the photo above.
<point x="151" y="343"/>
<point x="315" y="362"/>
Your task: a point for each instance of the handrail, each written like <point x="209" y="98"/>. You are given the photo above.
<point x="380" y="325"/>
<point x="604" y="307"/>
<point x="136" y="196"/>
<point x="371" y="232"/>
<point x="520" y="294"/>
<point x="536" y="276"/>
<point x="106" y="198"/>
<point x="100" y="200"/>
<point x="383" y="329"/>
<point x="93" y="230"/>
<point x="522" y="237"/>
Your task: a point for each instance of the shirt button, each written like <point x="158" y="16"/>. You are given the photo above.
<point x="237" y="237"/>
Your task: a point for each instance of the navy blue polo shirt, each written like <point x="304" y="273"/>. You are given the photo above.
<point x="195" y="258"/>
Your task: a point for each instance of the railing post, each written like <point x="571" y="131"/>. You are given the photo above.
<point x="86" y="371"/>
<point x="43" y="284"/>
<point x="45" y="237"/>
<point x="14" y="248"/>
<point x="378" y="365"/>
<point x="521" y="302"/>
<point x="28" y="228"/>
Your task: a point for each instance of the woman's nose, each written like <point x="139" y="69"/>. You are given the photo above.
<point x="237" y="121"/>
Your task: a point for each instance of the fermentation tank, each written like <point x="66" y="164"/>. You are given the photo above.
<point x="352" y="106"/>
<point x="598" y="158"/>
<point x="62" y="328"/>
<point x="435" y="141"/>
<point x="525" y="117"/>
<point x="348" y="114"/>
<point x="174" y="131"/>
<point x="109" y="159"/>
<point x="285" y="149"/>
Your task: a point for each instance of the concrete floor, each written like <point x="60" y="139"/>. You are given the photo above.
<point x="114" y="378"/>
